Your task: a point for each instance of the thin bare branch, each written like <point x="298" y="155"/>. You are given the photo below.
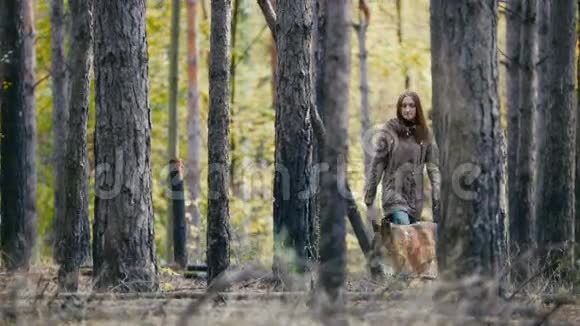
<point x="204" y="9"/>
<point x="548" y="314"/>
<point x="364" y="8"/>
<point x="269" y="14"/>
<point x="38" y="82"/>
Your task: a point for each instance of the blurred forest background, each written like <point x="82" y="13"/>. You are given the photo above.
<point x="398" y="44"/>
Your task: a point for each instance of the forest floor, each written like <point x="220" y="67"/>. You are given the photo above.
<point x="33" y="299"/>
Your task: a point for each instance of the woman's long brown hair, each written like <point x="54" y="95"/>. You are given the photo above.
<point x="422" y="133"/>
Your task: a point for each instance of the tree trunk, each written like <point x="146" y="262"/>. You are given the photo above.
<point x="274" y="62"/>
<point x="317" y="77"/>
<point x="364" y="85"/>
<point x="72" y="241"/>
<point x="60" y="112"/>
<point x="318" y="40"/>
<point x="577" y="180"/>
<point x="502" y="218"/>
<point x="193" y="175"/>
<point x="178" y="211"/>
<point x="470" y="235"/>
<point x="173" y="146"/>
<point x="514" y="29"/>
<point x="522" y="223"/>
<point x="293" y="135"/>
<point x="218" y="219"/>
<point x="319" y="70"/>
<point x="399" y="6"/>
<point x="235" y="17"/>
<point x="372" y="211"/>
<point x="233" y="139"/>
<point x="557" y="100"/>
<point x="333" y="203"/>
<point x="204" y="9"/>
<point x="18" y="130"/>
<point x="361" y="29"/>
<point x="123" y="233"/>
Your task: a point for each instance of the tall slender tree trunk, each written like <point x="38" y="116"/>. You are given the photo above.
<point x="218" y="217"/>
<point x="178" y="211"/>
<point x="318" y="41"/>
<point x="361" y="29"/>
<point x="577" y="180"/>
<point x="204" y="9"/>
<point x="333" y="200"/>
<point x="273" y="62"/>
<point x="364" y="84"/>
<point x="522" y="224"/>
<point x="233" y="61"/>
<point x="399" y="6"/>
<point x="123" y="232"/>
<point x="233" y="137"/>
<point x="72" y="240"/>
<point x="59" y="104"/>
<point x="316" y="69"/>
<point x="317" y="145"/>
<point x="514" y="29"/>
<point x="18" y="129"/>
<point x="319" y="115"/>
<point x="470" y="234"/>
<point x="193" y="175"/>
<point x="260" y="157"/>
<point x="557" y="100"/>
<point x="293" y="135"/>
<point x="372" y="211"/>
<point x="172" y="131"/>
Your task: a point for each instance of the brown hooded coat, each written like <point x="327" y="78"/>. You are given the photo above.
<point x="399" y="160"/>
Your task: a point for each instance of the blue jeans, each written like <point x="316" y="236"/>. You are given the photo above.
<point x="401" y="217"/>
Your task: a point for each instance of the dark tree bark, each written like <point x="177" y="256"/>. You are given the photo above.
<point x="577" y="180"/>
<point x="523" y="222"/>
<point x="557" y="103"/>
<point x="123" y="233"/>
<point x="218" y="223"/>
<point x="466" y="110"/>
<point x="18" y="129"/>
<point x="72" y="232"/>
<point x="319" y="118"/>
<point x="319" y="136"/>
<point x="293" y="134"/>
<point x="193" y="166"/>
<point x="514" y="14"/>
<point x="333" y="203"/>
<point x="173" y="126"/>
<point x="317" y="47"/>
<point x="59" y="104"/>
<point x="178" y="211"/>
<point x="318" y="41"/>
<point x="358" y="226"/>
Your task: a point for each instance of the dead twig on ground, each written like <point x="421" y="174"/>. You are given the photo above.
<point x="548" y="314"/>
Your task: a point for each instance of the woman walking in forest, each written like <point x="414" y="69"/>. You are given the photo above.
<point x="405" y="145"/>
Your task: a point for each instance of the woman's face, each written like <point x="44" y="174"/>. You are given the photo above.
<point x="408" y="109"/>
